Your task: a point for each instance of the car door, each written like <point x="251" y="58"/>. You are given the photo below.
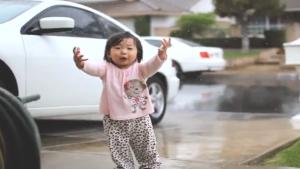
<point x="51" y="71"/>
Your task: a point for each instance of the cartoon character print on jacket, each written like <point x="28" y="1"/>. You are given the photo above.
<point x="134" y="90"/>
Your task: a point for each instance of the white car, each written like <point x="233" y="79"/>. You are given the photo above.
<point x="190" y="57"/>
<point x="37" y="38"/>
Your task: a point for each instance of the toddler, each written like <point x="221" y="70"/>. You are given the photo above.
<point x="125" y="99"/>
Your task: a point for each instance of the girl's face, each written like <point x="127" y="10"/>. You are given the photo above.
<point x="124" y="54"/>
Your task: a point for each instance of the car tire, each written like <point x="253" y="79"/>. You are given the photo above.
<point x="2" y="84"/>
<point x="157" y="91"/>
<point x="19" y="136"/>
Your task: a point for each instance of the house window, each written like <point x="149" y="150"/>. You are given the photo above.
<point x="259" y="25"/>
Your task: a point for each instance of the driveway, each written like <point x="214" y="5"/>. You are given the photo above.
<point x="188" y="137"/>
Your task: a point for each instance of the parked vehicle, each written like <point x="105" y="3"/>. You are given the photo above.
<point x="37" y="38"/>
<point x="190" y="57"/>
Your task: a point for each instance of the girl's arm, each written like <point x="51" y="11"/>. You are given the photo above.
<point x="88" y="67"/>
<point x="150" y="67"/>
<point x="95" y="69"/>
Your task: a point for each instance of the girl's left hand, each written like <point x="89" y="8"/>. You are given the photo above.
<point x="162" y="51"/>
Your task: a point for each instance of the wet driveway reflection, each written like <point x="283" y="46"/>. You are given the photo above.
<point x="237" y="98"/>
<point x="215" y="125"/>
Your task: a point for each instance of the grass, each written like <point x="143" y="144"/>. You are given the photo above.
<point x="288" y="157"/>
<point x="232" y="53"/>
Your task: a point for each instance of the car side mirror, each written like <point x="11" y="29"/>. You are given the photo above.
<point x="56" y="24"/>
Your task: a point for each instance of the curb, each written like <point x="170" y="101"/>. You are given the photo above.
<point x="257" y="160"/>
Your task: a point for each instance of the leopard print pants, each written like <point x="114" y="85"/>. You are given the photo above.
<point x="136" y="135"/>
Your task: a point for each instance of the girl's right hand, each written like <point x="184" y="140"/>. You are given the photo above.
<point x="78" y="58"/>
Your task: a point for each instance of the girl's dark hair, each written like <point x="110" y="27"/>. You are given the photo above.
<point x="115" y="39"/>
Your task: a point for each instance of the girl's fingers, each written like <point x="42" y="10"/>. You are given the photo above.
<point x="80" y="58"/>
<point x="166" y="43"/>
<point x="76" y="50"/>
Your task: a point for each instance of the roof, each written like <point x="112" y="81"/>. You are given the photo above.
<point x="123" y="8"/>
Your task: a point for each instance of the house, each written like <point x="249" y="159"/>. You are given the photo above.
<point x="292" y="19"/>
<point x="289" y="22"/>
<point x="160" y="15"/>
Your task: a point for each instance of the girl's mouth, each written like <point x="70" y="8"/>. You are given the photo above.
<point x="123" y="59"/>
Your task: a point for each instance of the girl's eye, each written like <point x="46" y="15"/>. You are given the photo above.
<point x="117" y="47"/>
<point x="129" y="48"/>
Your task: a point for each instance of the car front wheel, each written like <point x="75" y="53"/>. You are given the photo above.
<point x="157" y="91"/>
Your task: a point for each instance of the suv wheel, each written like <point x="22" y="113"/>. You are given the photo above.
<point x="2" y="84"/>
<point x="19" y="137"/>
<point x="2" y="151"/>
<point x="157" y="91"/>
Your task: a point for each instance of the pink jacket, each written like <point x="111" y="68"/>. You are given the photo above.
<point x="125" y="94"/>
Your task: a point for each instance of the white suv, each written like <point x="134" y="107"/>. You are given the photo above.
<point x="37" y="38"/>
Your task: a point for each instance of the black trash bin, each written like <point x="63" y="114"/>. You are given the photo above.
<point x="19" y="137"/>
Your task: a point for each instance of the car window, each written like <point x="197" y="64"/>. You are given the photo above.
<point x="190" y="43"/>
<point x="11" y="9"/>
<point x="154" y="42"/>
<point x="108" y="27"/>
<point x="86" y="23"/>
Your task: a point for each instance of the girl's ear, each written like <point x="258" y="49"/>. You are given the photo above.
<point x="108" y="58"/>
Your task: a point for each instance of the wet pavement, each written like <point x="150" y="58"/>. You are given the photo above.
<point x="217" y="121"/>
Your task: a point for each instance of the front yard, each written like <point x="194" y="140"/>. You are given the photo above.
<point x="288" y="157"/>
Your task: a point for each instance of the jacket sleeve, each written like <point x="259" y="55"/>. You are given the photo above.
<point x="150" y="67"/>
<point x="95" y="69"/>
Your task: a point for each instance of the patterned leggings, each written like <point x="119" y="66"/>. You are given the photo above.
<point x="136" y="134"/>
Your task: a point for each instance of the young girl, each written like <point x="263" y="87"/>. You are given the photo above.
<point x="125" y="99"/>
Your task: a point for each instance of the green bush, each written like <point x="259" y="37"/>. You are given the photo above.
<point x="142" y="25"/>
<point x="193" y="24"/>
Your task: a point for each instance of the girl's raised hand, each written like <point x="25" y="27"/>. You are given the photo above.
<point x="162" y="51"/>
<point x="78" y="58"/>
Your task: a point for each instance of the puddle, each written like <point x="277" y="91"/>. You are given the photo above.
<point x="236" y="98"/>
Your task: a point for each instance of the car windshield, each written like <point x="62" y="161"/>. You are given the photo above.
<point x="11" y="9"/>
<point x="190" y="43"/>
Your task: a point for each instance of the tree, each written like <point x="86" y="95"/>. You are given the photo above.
<point x="191" y="24"/>
<point x="142" y="25"/>
<point x="242" y="10"/>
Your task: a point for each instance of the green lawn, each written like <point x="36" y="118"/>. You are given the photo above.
<point x="288" y="157"/>
<point x="233" y="53"/>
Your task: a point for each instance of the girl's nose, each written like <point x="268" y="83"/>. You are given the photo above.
<point x="124" y="50"/>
